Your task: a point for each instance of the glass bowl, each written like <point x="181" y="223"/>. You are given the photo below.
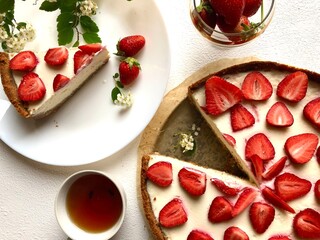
<point x="230" y="38"/>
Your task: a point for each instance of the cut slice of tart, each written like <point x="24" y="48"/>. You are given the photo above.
<point x="37" y="84"/>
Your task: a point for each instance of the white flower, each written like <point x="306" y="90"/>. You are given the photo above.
<point x="186" y="142"/>
<point x="124" y="100"/>
<point x="2" y="15"/>
<point x="27" y="32"/>
<point x="3" y="34"/>
<point x="15" y="44"/>
<point x="88" y="8"/>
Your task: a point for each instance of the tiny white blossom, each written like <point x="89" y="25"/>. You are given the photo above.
<point x="186" y="142"/>
<point x="27" y="32"/>
<point x="15" y="44"/>
<point x="2" y="15"/>
<point x="3" y="34"/>
<point x="124" y="100"/>
<point x="88" y="8"/>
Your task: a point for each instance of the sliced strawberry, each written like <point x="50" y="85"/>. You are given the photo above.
<point x="275" y="169"/>
<point x="193" y="181"/>
<point x="260" y="145"/>
<point x="251" y="7"/>
<point x="81" y="59"/>
<point x="24" y="61"/>
<point x="279" y="237"/>
<point x="90" y="48"/>
<point x="306" y="224"/>
<point x="60" y="81"/>
<point x="231" y="140"/>
<point x="293" y="87"/>
<point x="279" y="115"/>
<point x="220" y="210"/>
<point x="224" y="188"/>
<point x="160" y="173"/>
<point x="240" y="118"/>
<point x="312" y="112"/>
<point x="56" y="56"/>
<point x="173" y="214"/>
<point x="220" y="95"/>
<point x="261" y="216"/>
<point x="235" y="233"/>
<point x="258" y="167"/>
<point x="256" y="86"/>
<point x="199" y="235"/>
<point x="289" y="186"/>
<point x="300" y="148"/>
<point x="317" y="189"/>
<point x="274" y="199"/>
<point x="246" y="197"/>
<point x="318" y="154"/>
<point x="31" y="88"/>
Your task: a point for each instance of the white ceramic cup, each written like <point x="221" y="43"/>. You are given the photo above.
<point x="63" y="218"/>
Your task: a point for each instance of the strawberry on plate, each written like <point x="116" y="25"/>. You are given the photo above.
<point x="241" y="118"/>
<point x="261" y="216"/>
<point x="199" y="235"/>
<point x="173" y="214"/>
<point x="24" y="61"/>
<point x="274" y="169"/>
<point x="129" y="70"/>
<point x="225" y="188"/>
<point x="31" y="88"/>
<point x="251" y="7"/>
<point x="306" y="224"/>
<point x="232" y="233"/>
<point x="279" y="237"/>
<point x="258" y="167"/>
<point x="160" y="173"/>
<point x="279" y="115"/>
<point x="246" y="197"/>
<point x="312" y="112"/>
<point x="193" y="181"/>
<point x="270" y="196"/>
<point x="81" y="59"/>
<point x="220" y="95"/>
<point x="129" y="46"/>
<point x="56" y="56"/>
<point x="60" y="81"/>
<point x="90" y="48"/>
<point x="231" y="140"/>
<point x="260" y="145"/>
<point x="220" y="210"/>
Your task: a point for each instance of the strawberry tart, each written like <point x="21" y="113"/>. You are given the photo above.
<point x="38" y="83"/>
<point x="267" y="116"/>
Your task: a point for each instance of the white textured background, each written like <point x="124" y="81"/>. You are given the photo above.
<point x="28" y="189"/>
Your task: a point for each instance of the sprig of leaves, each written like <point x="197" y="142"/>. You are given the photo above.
<point x="70" y="21"/>
<point x="116" y="90"/>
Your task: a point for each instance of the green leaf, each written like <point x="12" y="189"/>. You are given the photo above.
<point x="65" y="36"/>
<point x="49" y="6"/>
<point x="21" y="25"/>
<point x="114" y="93"/>
<point x="88" y="24"/>
<point x="68" y="5"/>
<point x="119" y="84"/>
<point x="76" y="44"/>
<point x="65" y="23"/>
<point x="91" y="37"/>
<point x="6" y="5"/>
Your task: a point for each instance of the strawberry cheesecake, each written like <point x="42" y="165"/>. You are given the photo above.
<point x="266" y="114"/>
<point x="38" y="83"/>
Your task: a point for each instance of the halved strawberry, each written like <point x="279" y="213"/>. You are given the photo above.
<point x="251" y="7"/>
<point x="24" y="61"/>
<point x="224" y="188"/>
<point x="240" y="118"/>
<point x="279" y="237"/>
<point x="289" y="186"/>
<point x="293" y="87"/>
<point x="275" y="200"/>
<point x="173" y="214"/>
<point x="258" y="167"/>
<point x="160" y="173"/>
<point x="220" y="210"/>
<point x="235" y="233"/>
<point x="279" y="115"/>
<point x="317" y="189"/>
<point x="261" y="216"/>
<point x="56" y="56"/>
<point x="306" y="224"/>
<point x="60" y="81"/>
<point x="256" y="86"/>
<point x="81" y="59"/>
<point x="31" y="88"/>
<point x="231" y="140"/>
<point x="246" y="197"/>
<point x="300" y="148"/>
<point x="275" y="168"/>
<point x="260" y="145"/>
<point x="220" y="95"/>
<point x="193" y="181"/>
<point x="312" y="112"/>
<point x="90" y="48"/>
<point x="318" y="154"/>
<point x="199" y="235"/>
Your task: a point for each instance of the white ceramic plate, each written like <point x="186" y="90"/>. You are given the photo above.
<point x="89" y="127"/>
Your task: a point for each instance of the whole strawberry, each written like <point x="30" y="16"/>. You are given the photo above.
<point x="129" y="69"/>
<point x="207" y="14"/>
<point x="129" y="46"/>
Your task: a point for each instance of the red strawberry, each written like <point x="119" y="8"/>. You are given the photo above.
<point x="274" y="199"/>
<point x="90" y="48"/>
<point x="240" y="118"/>
<point x="224" y="188"/>
<point x="317" y="189"/>
<point x="60" y="81"/>
<point x="260" y="145"/>
<point x="243" y="25"/>
<point x="279" y="115"/>
<point x="246" y="197"/>
<point x="173" y="214"/>
<point x="129" y="70"/>
<point x="251" y="7"/>
<point x="258" y="167"/>
<point x="56" y="56"/>
<point x="318" y="154"/>
<point x="293" y="87"/>
<point x="207" y="14"/>
<point x="220" y="210"/>
<point x="24" y="61"/>
<point x="160" y="173"/>
<point x="199" y="235"/>
<point x="31" y="88"/>
<point x="235" y="233"/>
<point x="81" y="59"/>
<point x="300" y="148"/>
<point x="231" y="140"/>
<point x="288" y="186"/>
<point x="306" y="224"/>
<point x="220" y="95"/>
<point x="130" y="45"/>
<point x="275" y="169"/>
<point x="193" y="181"/>
<point x="256" y="86"/>
<point x="261" y="216"/>
<point x="279" y="237"/>
<point x="312" y="111"/>
<point x="230" y="10"/>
